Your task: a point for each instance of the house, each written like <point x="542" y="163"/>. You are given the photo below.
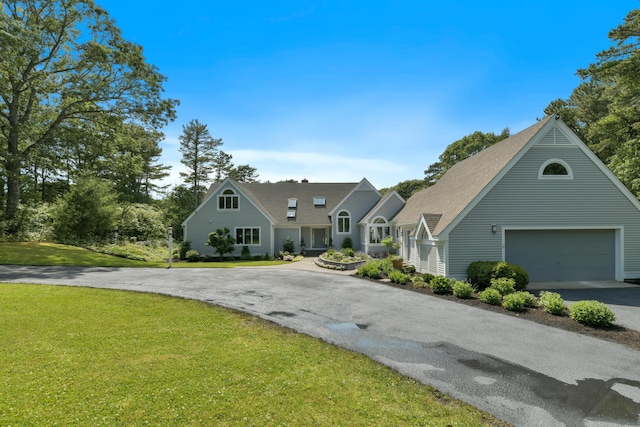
<point x="540" y="199"/>
<point x="262" y="216"/>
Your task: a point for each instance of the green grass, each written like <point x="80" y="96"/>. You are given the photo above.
<point x="52" y="254"/>
<point x="33" y="253"/>
<point x="80" y="356"/>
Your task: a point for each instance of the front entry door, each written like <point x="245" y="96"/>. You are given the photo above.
<point x="319" y="238"/>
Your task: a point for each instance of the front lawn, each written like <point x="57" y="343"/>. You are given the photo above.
<point x="80" y="356"/>
<point x="52" y="254"/>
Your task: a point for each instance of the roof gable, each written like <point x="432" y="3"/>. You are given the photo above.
<point x="381" y="203"/>
<point x="466" y="180"/>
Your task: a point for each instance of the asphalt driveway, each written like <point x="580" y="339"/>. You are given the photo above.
<point x="525" y="373"/>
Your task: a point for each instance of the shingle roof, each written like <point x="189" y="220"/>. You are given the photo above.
<point x="457" y="188"/>
<point x="273" y="199"/>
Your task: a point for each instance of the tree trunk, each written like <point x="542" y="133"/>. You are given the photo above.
<point x="13" y="178"/>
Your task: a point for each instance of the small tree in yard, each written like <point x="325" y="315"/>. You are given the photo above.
<point x="222" y="240"/>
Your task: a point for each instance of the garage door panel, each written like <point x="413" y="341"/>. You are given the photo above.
<point x="552" y="255"/>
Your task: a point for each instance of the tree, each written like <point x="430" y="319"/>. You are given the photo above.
<point x="460" y="150"/>
<point x="407" y="188"/>
<point x="603" y="109"/>
<point x="88" y="211"/>
<point x="222" y="241"/>
<point x="63" y="61"/>
<point x="131" y="164"/>
<point x="222" y="166"/>
<point x="244" y="173"/>
<point x="176" y="207"/>
<point x="199" y="150"/>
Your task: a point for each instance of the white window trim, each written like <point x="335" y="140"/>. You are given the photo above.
<point x="235" y="233"/>
<point x="224" y="196"/>
<point x="338" y="217"/>
<point x="382" y="225"/>
<point x="569" y="174"/>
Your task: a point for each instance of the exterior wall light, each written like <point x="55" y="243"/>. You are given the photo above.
<point x="494" y="228"/>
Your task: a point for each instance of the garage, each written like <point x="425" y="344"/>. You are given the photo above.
<point x="563" y="255"/>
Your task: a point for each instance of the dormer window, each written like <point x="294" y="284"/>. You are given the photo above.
<point x="228" y="200"/>
<point x="555" y="169"/>
<point x="293" y="203"/>
<point x="319" y="202"/>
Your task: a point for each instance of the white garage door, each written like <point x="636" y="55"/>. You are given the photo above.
<point x="562" y="255"/>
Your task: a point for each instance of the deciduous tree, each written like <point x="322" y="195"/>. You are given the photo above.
<point x="461" y="149"/>
<point x="63" y="61"/>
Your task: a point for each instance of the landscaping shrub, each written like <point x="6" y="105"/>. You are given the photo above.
<point x="503" y="285"/>
<point x="184" y="248"/>
<point x="480" y="274"/>
<point x="192" y="255"/>
<point x="519" y="300"/>
<point x="288" y="246"/>
<point x="530" y="300"/>
<point x="371" y="269"/>
<point x="386" y="266"/>
<point x="514" y="301"/>
<point x="347" y="243"/>
<point x="441" y="285"/>
<point x="552" y="303"/>
<point x="521" y="277"/>
<point x="592" y="313"/>
<point x="420" y="284"/>
<point x="348" y="252"/>
<point x="428" y="277"/>
<point x="490" y="296"/>
<point x="245" y="255"/>
<point x="410" y="269"/>
<point x="399" y="277"/>
<point x="463" y="290"/>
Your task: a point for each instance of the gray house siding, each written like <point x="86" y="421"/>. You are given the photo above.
<point x="283" y="233"/>
<point x="358" y="204"/>
<point x="207" y="218"/>
<point x="523" y="201"/>
<point x="389" y="209"/>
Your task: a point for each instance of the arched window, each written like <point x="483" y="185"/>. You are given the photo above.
<point x="379" y="230"/>
<point x="344" y="222"/>
<point x="555" y="169"/>
<point x="228" y="200"/>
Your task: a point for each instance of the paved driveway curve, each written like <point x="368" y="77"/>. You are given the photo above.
<point x="523" y="372"/>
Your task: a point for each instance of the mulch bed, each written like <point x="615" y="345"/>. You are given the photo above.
<point x="615" y="333"/>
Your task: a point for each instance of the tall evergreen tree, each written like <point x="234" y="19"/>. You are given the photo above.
<point x="222" y="166"/>
<point x="199" y="150"/>
<point x="244" y="173"/>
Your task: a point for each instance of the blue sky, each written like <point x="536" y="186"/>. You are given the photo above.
<point x="334" y="91"/>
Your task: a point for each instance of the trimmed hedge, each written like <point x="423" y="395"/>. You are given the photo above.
<point x="480" y="274"/>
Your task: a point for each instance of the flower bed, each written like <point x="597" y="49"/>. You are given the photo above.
<point x="334" y="260"/>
